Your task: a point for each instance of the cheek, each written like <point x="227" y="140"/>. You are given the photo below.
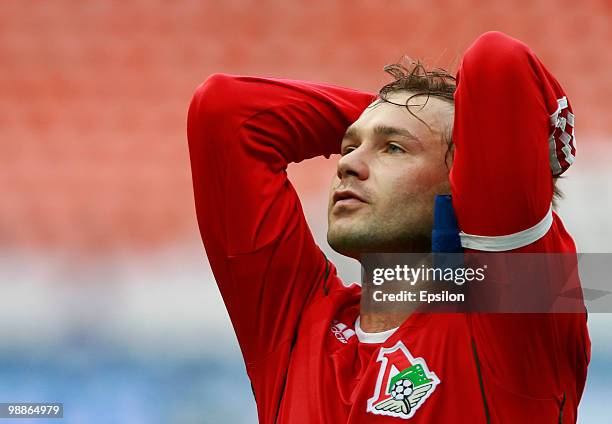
<point x="411" y="187"/>
<point x="417" y="180"/>
<point x="430" y="174"/>
<point x="334" y="183"/>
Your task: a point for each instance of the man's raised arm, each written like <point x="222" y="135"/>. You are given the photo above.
<point x="513" y="131"/>
<point x="243" y="132"/>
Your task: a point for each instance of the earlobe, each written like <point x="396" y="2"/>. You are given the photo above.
<point x="450" y="154"/>
<point x="443" y="189"/>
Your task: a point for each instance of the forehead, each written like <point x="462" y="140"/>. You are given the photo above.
<point x="433" y="115"/>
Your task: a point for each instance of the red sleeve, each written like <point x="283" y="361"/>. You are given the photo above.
<point x="243" y="132"/>
<point x="513" y="131"/>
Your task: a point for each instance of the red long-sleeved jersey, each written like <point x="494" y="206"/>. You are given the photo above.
<point x="297" y="324"/>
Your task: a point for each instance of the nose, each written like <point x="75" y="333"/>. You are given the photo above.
<point x="353" y="164"/>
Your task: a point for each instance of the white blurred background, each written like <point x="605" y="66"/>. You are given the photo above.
<point x="107" y="302"/>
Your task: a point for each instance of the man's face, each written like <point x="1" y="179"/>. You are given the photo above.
<point x="392" y="166"/>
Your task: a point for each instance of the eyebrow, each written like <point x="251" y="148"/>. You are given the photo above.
<point x="385" y="130"/>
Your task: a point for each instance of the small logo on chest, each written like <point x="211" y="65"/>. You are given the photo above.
<point x="403" y="385"/>
<point x="341" y="331"/>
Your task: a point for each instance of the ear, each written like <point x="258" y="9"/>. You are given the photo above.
<point x="450" y="149"/>
<point x="443" y="188"/>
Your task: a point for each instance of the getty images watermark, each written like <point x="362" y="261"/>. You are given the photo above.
<point x="421" y="276"/>
<point x="488" y="282"/>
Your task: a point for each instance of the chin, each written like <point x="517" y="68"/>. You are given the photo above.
<point x="343" y="243"/>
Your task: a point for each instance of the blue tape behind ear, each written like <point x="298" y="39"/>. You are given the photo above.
<point x="445" y="234"/>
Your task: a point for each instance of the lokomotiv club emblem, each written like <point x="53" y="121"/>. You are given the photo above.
<point x="403" y="385"/>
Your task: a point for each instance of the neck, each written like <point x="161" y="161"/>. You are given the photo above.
<point x="373" y="319"/>
<point x="379" y="308"/>
<point x="372" y="322"/>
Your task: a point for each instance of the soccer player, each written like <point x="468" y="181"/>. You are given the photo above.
<point x="495" y="140"/>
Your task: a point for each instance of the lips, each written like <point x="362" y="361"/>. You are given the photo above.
<point x="347" y="196"/>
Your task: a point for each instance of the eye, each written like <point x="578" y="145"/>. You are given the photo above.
<point x="394" y="148"/>
<point x="347" y="150"/>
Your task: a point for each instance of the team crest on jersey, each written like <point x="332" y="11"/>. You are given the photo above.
<point x="403" y="385"/>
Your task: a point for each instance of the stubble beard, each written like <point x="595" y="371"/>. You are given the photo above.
<point x="370" y="235"/>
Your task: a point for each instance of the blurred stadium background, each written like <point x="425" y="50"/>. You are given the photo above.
<point x="107" y="302"/>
